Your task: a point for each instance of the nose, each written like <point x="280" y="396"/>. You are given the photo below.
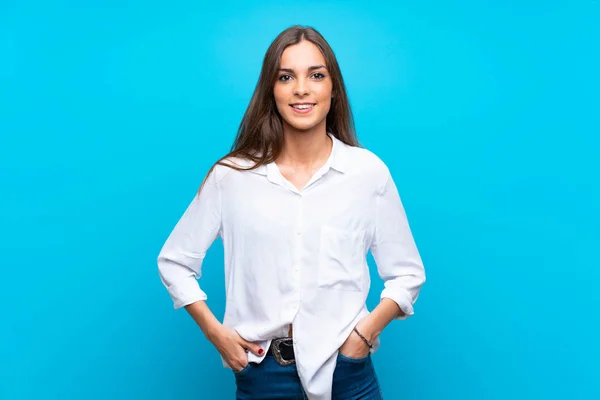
<point x="301" y="88"/>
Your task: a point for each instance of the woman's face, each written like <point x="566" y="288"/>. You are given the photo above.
<point x="303" y="87"/>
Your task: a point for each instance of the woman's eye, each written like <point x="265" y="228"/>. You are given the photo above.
<point x="287" y="78"/>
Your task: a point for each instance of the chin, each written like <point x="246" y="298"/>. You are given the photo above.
<point x="301" y="126"/>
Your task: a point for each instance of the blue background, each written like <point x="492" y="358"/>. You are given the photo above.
<point x="487" y="114"/>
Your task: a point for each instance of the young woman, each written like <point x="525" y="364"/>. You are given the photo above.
<point x="298" y="204"/>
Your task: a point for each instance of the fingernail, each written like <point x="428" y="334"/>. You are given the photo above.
<point x="260" y="351"/>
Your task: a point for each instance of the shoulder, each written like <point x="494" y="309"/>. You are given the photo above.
<point x="227" y="166"/>
<point x="366" y="162"/>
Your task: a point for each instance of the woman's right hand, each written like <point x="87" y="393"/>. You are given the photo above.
<point x="233" y="347"/>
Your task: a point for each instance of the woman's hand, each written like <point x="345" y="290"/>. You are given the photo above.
<point x="354" y="346"/>
<point x="233" y="347"/>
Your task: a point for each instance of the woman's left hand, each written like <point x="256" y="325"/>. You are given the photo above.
<point x="354" y="346"/>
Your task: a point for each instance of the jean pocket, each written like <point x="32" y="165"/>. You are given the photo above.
<point x="354" y="378"/>
<point x="359" y="360"/>
<point x="243" y="370"/>
<point x="342" y="260"/>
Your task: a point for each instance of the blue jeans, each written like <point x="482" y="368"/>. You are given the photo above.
<point x="353" y="378"/>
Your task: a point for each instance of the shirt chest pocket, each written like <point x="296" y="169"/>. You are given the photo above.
<point x="342" y="261"/>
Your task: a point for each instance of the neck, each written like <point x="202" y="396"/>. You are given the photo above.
<point x="305" y="148"/>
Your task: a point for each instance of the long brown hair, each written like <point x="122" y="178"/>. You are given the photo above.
<point x="260" y="134"/>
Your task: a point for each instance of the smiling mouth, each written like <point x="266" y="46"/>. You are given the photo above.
<point x="306" y="107"/>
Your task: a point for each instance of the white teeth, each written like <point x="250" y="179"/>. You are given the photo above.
<point x="303" y="106"/>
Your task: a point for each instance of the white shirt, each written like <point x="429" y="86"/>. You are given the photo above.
<point x="298" y="256"/>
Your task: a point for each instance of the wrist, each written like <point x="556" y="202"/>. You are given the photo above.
<point x="213" y="332"/>
<point x="367" y="340"/>
<point x="369" y="328"/>
<point x="370" y="335"/>
<point x="380" y="317"/>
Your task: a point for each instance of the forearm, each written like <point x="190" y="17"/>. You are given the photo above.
<point x="380" y="317"/>
<point x="205" y="319"/>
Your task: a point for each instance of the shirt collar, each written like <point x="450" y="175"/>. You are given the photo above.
<point x="337" y="160"/>
<point x="339" y="154"/>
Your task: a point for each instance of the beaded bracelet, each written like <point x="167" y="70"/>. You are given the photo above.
<point x="363" y="338"/>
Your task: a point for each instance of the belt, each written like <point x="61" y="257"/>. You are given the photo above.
<point x="282" y="350"/>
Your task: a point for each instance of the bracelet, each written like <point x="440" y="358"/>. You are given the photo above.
<point x="363" y="338"/>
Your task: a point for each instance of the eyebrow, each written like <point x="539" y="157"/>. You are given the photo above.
<point x="311" y="68"/>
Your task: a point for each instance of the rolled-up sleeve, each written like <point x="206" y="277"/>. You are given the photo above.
<point x="395" y="252"/>
<point x="180" y="259"/>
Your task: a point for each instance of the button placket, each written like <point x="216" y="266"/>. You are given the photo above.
<point x="297" y="260"/>
<point x="298" y="241"/>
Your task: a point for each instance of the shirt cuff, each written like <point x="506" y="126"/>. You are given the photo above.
<point x="186" y="292"/>
<point x="402" y="298"/>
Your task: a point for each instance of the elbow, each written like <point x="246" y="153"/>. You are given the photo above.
<point x="169" y="269"/>
<point x="161" y="263"/>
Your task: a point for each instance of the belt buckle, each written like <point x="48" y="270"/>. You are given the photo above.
<point x="276" y="343"/>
